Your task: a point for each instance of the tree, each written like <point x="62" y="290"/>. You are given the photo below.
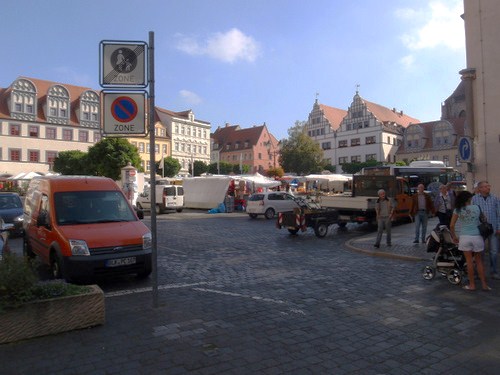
<point x="199" y="168"/>
<point x="352" y="168"/>
<point x="108" y="156"/>
<point x="72" y="162"/>
<point x="299" y="153"/>
<point x="275" y="172"/>
<point x="171" y="167"/>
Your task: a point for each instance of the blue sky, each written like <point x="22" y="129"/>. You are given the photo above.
<point x="249" y="62"/>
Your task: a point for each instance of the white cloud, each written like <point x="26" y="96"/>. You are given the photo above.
<point x="190" y="97"/>
<point x="441" y="26"/>
<point x="407" y="61"/>
<point x="230" y="46"/>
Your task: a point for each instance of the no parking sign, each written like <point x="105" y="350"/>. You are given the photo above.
<point x="124" y="113"/>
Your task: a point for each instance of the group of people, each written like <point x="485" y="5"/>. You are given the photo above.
<point x="455" y="210"/>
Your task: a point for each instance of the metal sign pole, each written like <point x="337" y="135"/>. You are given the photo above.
<point x="152" y="168"/>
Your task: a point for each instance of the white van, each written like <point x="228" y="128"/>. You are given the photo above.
<point x="168" y="198"/>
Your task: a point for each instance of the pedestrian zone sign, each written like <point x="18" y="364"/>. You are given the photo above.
<point x="124" y="113"/>
<point x="123" y="64"/>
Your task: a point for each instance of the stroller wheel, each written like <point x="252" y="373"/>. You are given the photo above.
<point x="454" y="276"/>
<point x="428" y="273"/>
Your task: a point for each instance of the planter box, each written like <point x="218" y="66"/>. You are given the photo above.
<point x="55" y="315"/>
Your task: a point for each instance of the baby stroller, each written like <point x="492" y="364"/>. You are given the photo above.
<point x="448" y="260"/>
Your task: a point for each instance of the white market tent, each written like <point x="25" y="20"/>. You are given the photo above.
<point x="331" y="181"/>
<point x="259" y="181"/>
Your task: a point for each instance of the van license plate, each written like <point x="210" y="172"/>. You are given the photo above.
<point x="120" y="262"/>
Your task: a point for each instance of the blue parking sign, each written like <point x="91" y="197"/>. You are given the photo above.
<point x="465" y="149"/>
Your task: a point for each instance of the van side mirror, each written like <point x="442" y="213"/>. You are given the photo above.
<point x="43" y="219"/>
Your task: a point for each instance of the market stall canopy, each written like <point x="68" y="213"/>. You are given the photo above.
<point x="259" y="180"/>
<point x="328" y="177"/>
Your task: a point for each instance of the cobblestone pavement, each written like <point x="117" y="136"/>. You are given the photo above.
<point x="238" y="296"/>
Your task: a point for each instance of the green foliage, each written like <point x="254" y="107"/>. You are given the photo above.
<point x="402" y="163"/>
<point x="171" y="167"/>
<point x="199" y="168"/>
<point x="74" y="162"/>
<point x="223" y="168"/>
<point x="329" y="167"/>
<point x="299" y="153"/>
<point x="352" y="168"/>
<point x="19" y="283"/>
<point x="17" y="278"/>
<point x="275" y="172"/>
<point x="108" y="156"/>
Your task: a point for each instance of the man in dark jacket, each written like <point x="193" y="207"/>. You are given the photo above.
<point x="421" y="207"/>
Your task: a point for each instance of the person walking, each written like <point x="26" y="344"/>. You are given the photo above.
<point x="385" y="212"/>
<point x="421" y="207"/>
<point x="490" y="207"/>
<point x="470" y="240"/>
<point x="444" y="203"/>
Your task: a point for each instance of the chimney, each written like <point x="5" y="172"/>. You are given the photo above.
<point x="401" y="113"/>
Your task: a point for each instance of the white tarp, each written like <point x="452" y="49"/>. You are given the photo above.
<point x="259" y="181"/>
<point x="205" y="192"/>
<point x="331" y="182"/>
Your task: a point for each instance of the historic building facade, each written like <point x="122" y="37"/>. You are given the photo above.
<point x="190" y="137"/>
<point x="255" y="147"/>
<point x="437" y="140"/>
<point x="367" y="131"/>
<point x="482" y="89"/>
<point x="39" y="119"/>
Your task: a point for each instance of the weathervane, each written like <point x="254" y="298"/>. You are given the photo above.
<point x="357" y="88"/>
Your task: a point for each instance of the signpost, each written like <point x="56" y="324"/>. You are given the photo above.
<point x="129" y="66"/>
<point x="123" y="64"/>
<point x="124" y="113"/>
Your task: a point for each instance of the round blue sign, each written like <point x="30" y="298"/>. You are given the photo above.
<point x="124" y="109"/>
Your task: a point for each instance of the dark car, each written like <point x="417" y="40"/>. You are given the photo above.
<point x="11" y="211"/>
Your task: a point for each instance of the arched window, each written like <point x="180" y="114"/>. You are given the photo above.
<point x="89" y="109"/>
<point x="58" y="105"/>
<point x="23" y="100"/>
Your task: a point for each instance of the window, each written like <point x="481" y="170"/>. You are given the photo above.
<point x="141" y="147"/>
<point x="260" y="156"/>
<point x="63" y="113"/>
<point x="97" y="137"/>
<point x="355" y="142"/>
<point x="50" y="133"/>
<point x="86" y="116"/>
<point x="371" y="157"/>
<point x="15" y="129"/>
<point x="29" y="108"/>
<point x="50" y="156"/>
<point x="34" y="155"/>
<point x="18" y="107"/>
<point x="164" y="149"/>
<point x="83" y="136"/>
<point x="326" y="145"/>
<point x="67" y="134"/>
<point x="33" y="131"/>
<point x="389" y="140"/>
<point x="342" y="143"/>
<point x="370" y="140"/>
<point x="343" y="160"/>
<point x="53" y="111"/>
<point x="15" y="154"/>
<point x="356" y="159"/>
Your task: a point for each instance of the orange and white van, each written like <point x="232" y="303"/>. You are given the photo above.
<point x="84" y="227"/>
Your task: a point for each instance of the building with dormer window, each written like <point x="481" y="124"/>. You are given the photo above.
<point x="39" y="119"/>
<point x="366" y="131"/>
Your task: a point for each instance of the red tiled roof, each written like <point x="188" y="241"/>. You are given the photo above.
<point x="385" y="114"/>
<point x="233" y="133"/>
<point x="42" y="88"/>
<point x="333" y="115"/>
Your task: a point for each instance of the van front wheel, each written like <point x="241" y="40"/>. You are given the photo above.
<point x="56" y="266"/>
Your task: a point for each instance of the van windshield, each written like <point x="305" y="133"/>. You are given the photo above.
<point x="87" y="207"/>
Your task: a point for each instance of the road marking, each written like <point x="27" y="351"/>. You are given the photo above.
<point x="232" y="294"/>
<point x="149" y="289"/>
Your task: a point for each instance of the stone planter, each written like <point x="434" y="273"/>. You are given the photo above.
<point x="55" y="315"/>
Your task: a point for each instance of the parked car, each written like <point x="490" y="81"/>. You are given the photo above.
<point x="11" y="211"/>
<point x="4" y="238"/>
<point x="270" y="203"/>
<point x="84" y="227"/>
